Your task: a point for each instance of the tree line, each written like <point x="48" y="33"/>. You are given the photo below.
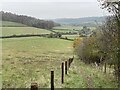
<point x="103" y="47"/>
<point x="27" y="20"/>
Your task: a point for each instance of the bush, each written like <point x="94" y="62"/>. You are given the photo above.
<point x="86" y="50"/>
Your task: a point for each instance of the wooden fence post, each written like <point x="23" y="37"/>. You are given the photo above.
<point x="34" y="86"/>
<point x="65" y="67"/>
<point x="62" y="73"/>
<point x="52" y="80"/>
<point x="72" y="59"/>
<point x="105" y="68"/>
<point x="68" y="63"/>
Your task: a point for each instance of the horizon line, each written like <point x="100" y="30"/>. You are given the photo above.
<point x="53" y="18"/>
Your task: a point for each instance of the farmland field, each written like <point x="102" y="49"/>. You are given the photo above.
<point x="28" y="60"/>
<point x="72" y="27"/>
<point x="60" y="45"/>
<point x="64" y="30"/>
<point x="68" y="27"/>
<point x="71" y="36"/>
<point x="31" y="59"/>
<point x="11" y="24"/>
<point x="7" y="31"/>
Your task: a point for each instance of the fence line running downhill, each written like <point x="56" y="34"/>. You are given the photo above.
<point x="64" y="67"/>
<point x="34" y="86"/>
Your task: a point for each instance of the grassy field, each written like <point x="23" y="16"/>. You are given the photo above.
<point x="6" y="31"/>
<point x="28" y="60"/>
<point x="71" y="36"/>
<point x="11" y="24"/>
<point x="71" y="27"/>
<point x="83" y="76"/>
<point x="64" y="30"/>
<point x="68" y="27"/>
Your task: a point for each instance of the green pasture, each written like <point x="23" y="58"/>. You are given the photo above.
<point x="70" y="27"/>
<point x="88" y="76"/>
<point x="11" y="24"/>
<point x="7" y="31"/>
<point x="71" y="36"/>
<point x="28" y="60"/>
<point x="64" y="30"/>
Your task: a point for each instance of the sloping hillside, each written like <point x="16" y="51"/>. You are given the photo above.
<point x="27" y="20"/>
<point x="13" y="28"/>
<point x="9" y="31"/>
<point x="11" y="24"/>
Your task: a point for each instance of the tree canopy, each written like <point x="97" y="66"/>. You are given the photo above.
<point x="27" y="20"/>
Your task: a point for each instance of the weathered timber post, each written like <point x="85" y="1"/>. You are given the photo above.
<point x="34" y="86"/>
<point x="68" y="63"/>
<point x="62" y="78"/>
<point x="72" y="59"/>
<point x="52" y="80"/>
<point x="105" y="68"/>
<point x="65" y="67"/>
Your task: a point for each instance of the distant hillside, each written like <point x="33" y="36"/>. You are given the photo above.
<point x="80" y="21"/>
<point x="11" y="24"/>
<point x="27" y="20"/>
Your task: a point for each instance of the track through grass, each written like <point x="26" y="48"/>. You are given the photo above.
<point x="85" y="76"/>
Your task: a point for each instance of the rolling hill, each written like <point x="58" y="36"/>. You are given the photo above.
<point x="10" y="31"/>
<point x="13" y="28"/>
<point x="11" y="24"/>
<point x="28" y="20"/>
<point x="87" y="21"/>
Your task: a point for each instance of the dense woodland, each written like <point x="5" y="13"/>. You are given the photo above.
<point x="27" y="20"/>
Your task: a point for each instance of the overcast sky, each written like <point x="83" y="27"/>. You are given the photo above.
<point x="49" y="9"/>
